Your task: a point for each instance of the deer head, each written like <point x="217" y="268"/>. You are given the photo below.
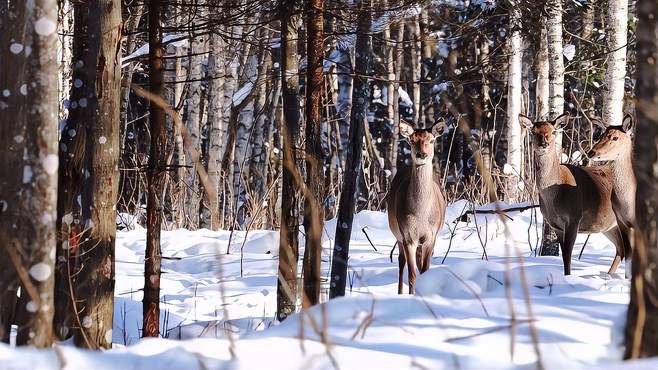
<point x="544" y="132"/>
<point x="422" y="140"/>
<point x="614" y="142"/>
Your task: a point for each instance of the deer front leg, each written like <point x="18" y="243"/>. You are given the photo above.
<point x="410" y="250"/>
<point x="401" y="263"/>
<point x="567" y="240"/>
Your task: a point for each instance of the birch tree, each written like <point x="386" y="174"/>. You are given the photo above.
<point x="193" y="123"/>
<point x="216" y="71"/>
<point x="642" y="319"/>
<point x="514" y="91"/>
<point x="28" y="167"/>
<point x="550" y="244"/>
<point x="615" y="74"/>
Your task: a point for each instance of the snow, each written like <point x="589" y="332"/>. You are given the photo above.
<point x="40" y="271"/>
<point x="174" y="40"/>
<point x="221" y="300"/>
<point x="242" y="93"/>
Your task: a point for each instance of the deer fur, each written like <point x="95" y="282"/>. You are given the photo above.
<point x="572" y="199"/>
<point x="416" y="205"/>
<point x="615" y="148"/>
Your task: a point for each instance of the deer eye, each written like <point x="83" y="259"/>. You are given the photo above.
<point x="615" y="138"/>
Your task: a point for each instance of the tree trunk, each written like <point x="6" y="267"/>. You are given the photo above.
<point x="289" y="233"/>
<point x="358" y="116"/>
<point x="257" y="163"/>
<point x="555" y="63"/>
<point x="642" y="319"/>
<point x="314" y="201"/>
<point x="542" y="90"/>
<point x="615" y="74"/>
<point x="514" y="91"/>
<point x="216" y="87"/>
<point x="28" y="168"/>
<point x="550" y="244"/>
<point x="155" y="177"/>
<point x="94" y="116"/>
<point x="193" y="123"/>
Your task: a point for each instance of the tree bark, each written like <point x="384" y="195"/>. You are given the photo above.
<point x="28" y="168"/>
<point x="193" y="123"/>
<point x="514" y="91"/>
<point x="314" y="202"/>
<point x="615" y="74"/>
<point x="216" y="71"/>
<point x="155" y="177"/>
<point x="358" y="116"/>
<point x="642" y="319"/>
<point x="550" y="244"/>
<point x="289" y="233"/>
<point x="542" y="90"/>
<point x="94" y="116"/>
<point x="555" y="63"/>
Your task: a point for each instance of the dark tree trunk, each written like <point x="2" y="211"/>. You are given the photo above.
<point x="289" y="234"/>
<point x="314" y="200"/>
<point x="93" y="135"/>
<point x="348" y="192"/>
<point x="642" y="320"/>
<point x="155" y="177"/>
<point x="28" y="169"/>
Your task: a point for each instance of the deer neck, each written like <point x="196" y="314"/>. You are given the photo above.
<point x="547" y="169"/>
<point x="420" y="183"/>
<point x="624" y="183"/>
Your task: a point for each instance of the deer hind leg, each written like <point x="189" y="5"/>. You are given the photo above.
<point x="402" y="261"/>
<point x="616" y="238"/>
<point x="567" y="240"/>
<point x="625" y="233"/>
<point x="428" y="251"/>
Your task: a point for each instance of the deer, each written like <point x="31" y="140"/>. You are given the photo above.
<point x="572" y="199"/>
<point x="615" y="148"/>
<point x="415" y="203"/>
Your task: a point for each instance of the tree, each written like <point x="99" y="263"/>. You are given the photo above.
<point x="94" y="119"/>
<point x="28" y="168"/>
<point x="216" y="71"/>
<point x="550" y="245"/>
<point x="348" y="194"/>
<point x="314" y="201"/>
<point x="514" y="91"/>
<point x="642" y="319"/>
<point x="615" y="74"/>
<point x="289" y="233"/>
<point x="155" y="176"/>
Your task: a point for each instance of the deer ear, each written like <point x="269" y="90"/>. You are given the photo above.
<point x="439" y="128"/>
<point x="561" y="121"/>
<point x="525" y="121"/>
<point x="628" y="124"/>
<point x="406" y="129"/>
<point x="597" y="122"/>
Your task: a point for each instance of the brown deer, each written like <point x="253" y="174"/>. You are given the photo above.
<point x="572" y="199"/>
<point x="615" y="146"/>
<point x="415" y="203"/>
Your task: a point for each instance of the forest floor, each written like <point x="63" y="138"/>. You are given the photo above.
<point x="467" y="313"/>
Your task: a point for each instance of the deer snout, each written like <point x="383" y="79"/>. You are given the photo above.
<point x="591" y="153"/>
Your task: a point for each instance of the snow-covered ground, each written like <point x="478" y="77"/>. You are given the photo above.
<point x="467" y="313"/>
